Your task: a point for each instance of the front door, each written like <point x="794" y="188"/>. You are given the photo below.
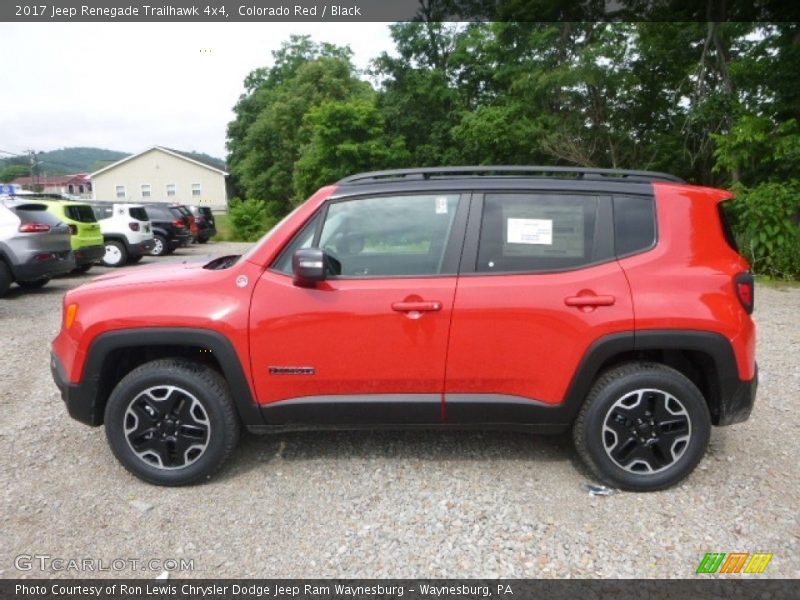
<point x="367" y="345"/>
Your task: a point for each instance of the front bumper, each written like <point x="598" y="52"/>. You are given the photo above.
<point x="79" y="398"/>
<point x="737" y="405"/>
<point x="88" y="255"/>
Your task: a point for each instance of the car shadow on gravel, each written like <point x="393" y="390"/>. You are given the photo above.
<point x="16" y="292"/>
<point x="435" y="446"/>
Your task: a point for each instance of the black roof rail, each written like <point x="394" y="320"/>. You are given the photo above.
<point x="618" y="175"/>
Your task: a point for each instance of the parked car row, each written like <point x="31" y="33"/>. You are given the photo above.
<point x="43" y="235"/>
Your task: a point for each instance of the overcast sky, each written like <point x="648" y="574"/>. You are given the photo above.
<point x="130" y="86"/>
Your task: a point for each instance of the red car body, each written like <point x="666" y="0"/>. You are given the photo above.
<point x="494" y="348"/>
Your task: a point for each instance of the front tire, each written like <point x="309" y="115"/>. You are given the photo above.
<point x="172" y="422"/>
<point x="643" y="427"/>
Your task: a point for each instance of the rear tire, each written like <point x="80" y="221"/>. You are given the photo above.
<point x="643" y="427"/>
<point x="160" y="248"/>
<point x="35" y="284"/>
<point x="116" y="254"/>
<point x="172" y="422"/>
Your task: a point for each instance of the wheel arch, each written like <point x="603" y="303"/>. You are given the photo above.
<point x="705" y="358"/>
<point x="116" y="237"/>
<point x="115" y="354"/>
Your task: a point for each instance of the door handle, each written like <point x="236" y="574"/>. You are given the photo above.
<point x="589" y="300"/>
<point x="420" y="306"/>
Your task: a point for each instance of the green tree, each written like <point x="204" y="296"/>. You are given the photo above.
<point x="344" y="138"/>
<point x="267" y="113"/>
<point x="10" y="172"/>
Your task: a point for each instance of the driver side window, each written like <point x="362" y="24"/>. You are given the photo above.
<point x="381" y="236"/>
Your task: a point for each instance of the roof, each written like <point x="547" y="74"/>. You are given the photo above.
<point x="191" y="157"/>
<point x="75" y="178"/>
<point x="208" y="161"/>
<point x="545" y="172"/>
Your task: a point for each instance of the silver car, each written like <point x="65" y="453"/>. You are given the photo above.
<point x="34" y="245"/>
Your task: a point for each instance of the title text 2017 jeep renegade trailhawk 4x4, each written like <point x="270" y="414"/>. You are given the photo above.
<point x="534" y="298"/>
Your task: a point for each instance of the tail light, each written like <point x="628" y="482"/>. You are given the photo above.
<point x="179" y="223"/>
<point x="73" y="229"/>
<point x="34" y="228"/>
<point x="745" y="291"/>
<point x="134" y="226"/>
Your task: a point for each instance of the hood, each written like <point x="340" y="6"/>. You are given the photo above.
<point x="149" y="274"/>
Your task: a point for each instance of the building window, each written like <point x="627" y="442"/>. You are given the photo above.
<point x="196" y="190"/>
<point x="71" y="189"/>
<point x="145" y="190"/>
<point x="120" y="190"/>
<point x="170" y="190"/>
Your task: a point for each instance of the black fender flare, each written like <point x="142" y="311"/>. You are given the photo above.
<point x="91" y="406"/>
<point x="725" y="384"/>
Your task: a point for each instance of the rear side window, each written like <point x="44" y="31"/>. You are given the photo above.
<point x="177" y="213"/>
<point x="138" y="213"/>
<point x="634" y="224"/>
<point x="81" y="213"/>
<point x="102" y="212"/>
<point x="537" y="232"/>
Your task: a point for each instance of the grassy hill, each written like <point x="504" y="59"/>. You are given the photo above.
<point x="68" y="160"/>
<point x="77" y="160"/>
<point x="87" y="160"/>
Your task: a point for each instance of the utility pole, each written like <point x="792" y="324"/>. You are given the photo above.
<point x="34" y="169"/>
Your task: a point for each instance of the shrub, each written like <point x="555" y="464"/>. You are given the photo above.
<point x="250" y="219"/>
<point x="767" y="227"/>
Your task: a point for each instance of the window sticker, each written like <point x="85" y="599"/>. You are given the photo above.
<point x="530" y="231"/>
<point x="441" y="205"/>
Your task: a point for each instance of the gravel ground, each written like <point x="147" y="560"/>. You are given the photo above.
<point x="412" y="504"/>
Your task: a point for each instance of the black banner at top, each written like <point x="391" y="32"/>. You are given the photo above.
<point x="396" y="10"/>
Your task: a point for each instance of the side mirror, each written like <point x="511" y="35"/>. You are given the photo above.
<point x="311" y="265"/>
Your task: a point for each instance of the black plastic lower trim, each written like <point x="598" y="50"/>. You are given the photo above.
<point x="737" y="407"/>
<point x="62" y="262"/>
<point x="464" y="409"/>
<point x="85" y="401"/>
<point x="89" y="254"/>
<point x="368" y="409"/>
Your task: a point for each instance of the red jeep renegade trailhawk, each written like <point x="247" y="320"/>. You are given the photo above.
<point x="535" y="298"/>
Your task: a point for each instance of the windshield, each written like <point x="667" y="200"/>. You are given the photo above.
<point x="263" y="240"/>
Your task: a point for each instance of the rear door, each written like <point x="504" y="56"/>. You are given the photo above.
<point x="539" y="284"/>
